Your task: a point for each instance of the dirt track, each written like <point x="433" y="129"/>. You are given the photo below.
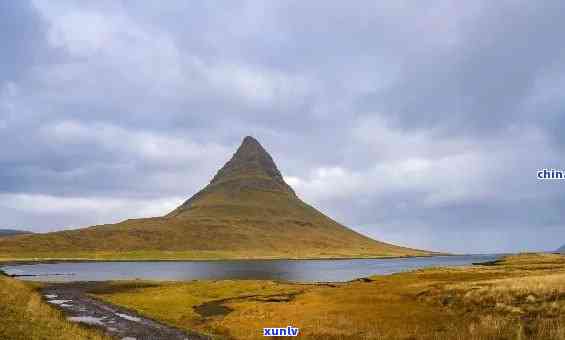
<point x="116" y="321"/>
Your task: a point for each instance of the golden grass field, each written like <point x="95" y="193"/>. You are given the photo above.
<point x="523" y="297"/>
<point x="24" y="315"/>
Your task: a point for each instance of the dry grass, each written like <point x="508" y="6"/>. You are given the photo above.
<point x="25" y="316"/>
<point x="255" y="224"/>
<point x="387" y="310"/>
<point x="529" y="290"/>
<point x="529" y="300"/>
<point x="520" y="298"/>
<point x="173" y="302"/>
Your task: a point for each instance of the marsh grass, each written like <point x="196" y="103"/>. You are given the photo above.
<point x="519" y="298"/>
<point x="24" y="315"/>
<point x="525" y="301"/>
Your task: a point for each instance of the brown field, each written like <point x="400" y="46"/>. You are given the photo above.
<point x="523" y="297"/>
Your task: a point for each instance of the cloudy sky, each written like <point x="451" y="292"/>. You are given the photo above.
<point x="418" y="123"/>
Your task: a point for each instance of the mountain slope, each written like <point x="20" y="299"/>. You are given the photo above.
<point x="247" y="211"/>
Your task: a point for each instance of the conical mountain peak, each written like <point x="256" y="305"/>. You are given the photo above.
<point x="251" y="142"/>
<point x="247" y="211"/>
<point x="250" y="159"/>
<point x="251" y="168"/>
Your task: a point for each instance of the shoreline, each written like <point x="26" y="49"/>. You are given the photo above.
<point x="19" y="262"/>
<point x="84" y="304"/>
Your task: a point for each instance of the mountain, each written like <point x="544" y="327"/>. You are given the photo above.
<point x="246" y="211"/>
<point x="12" y="232"/>
<point x="251" y="169"/>
<point x="562" y="249"/>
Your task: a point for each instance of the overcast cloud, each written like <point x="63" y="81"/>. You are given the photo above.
<point x="421" y="124"/>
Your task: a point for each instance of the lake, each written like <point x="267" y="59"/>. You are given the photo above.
<point x="282" y="270"/>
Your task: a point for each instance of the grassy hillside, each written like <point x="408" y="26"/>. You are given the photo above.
<point x="25" y="316"/>
<point x="247" y="211"/>
<point x="518" y="298"/>
<point x="257" y="225"/>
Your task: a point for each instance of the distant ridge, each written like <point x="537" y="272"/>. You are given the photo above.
<point x="247" y="211"/>
<point x="12" y="232"/>
<point x="561" y="249"/>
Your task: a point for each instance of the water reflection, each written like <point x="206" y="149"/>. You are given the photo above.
<point x="282" y="270"/>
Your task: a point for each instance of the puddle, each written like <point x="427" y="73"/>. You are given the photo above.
<point x="128" y="317"/>
<point x="50" y="296"/>
<point x="128" y="338"/>
<point x="212" y="308"/>
<point x="64" y="305"/>
<point x="89" y="320"/>
<point x="59" y="302"/>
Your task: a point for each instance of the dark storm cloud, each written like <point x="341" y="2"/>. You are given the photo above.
<point x="421" y="124"/>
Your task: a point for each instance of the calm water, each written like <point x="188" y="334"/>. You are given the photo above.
<point x="284" y="270"/>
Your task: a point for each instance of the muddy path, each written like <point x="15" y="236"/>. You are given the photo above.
<point x="118" y="322"/>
